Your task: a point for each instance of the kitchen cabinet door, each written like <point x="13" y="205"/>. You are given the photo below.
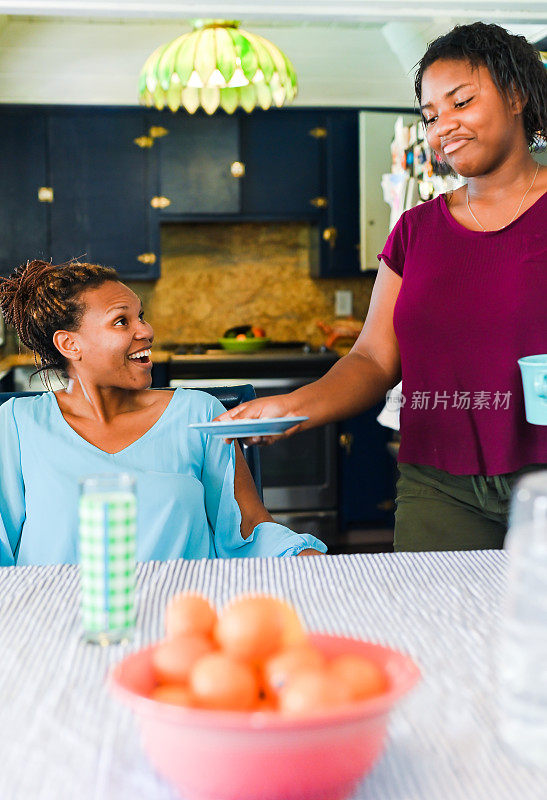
<point x="283" y="154"/>
<point x="24" y="218"/>
<point x="195" y="158"/>
<point x="338" y="239"/>
<point x="100" y="177"/>
<point x="367" y="472"/>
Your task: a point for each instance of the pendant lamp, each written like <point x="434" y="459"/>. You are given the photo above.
<point x="217" y="65"/>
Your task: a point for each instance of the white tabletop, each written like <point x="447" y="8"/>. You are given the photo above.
<point x="62" y="735"/>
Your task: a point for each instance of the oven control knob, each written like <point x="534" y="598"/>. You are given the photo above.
<point x="306" y="348"/>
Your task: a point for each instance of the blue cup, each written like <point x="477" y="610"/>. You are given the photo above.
<point x="534" y="382"/>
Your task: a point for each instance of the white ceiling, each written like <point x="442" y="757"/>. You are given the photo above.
<point x="354" y="53"/>
<point x="532" y="11"/>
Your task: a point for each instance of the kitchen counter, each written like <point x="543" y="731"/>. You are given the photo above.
<point x="27" y="359"/>
<point x="16" y="360"/>
<point x="16" y="370"/>
<point x="159" y="356"/>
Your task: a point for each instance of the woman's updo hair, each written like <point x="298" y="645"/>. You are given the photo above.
<point x="514" y="64"/>
<point x="39" y="298"/>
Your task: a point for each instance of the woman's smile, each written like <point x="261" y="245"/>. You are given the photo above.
<point x="141" y="358"/>
<point x="454" y="144"/>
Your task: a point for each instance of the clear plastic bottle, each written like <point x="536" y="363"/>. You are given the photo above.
<point x="522" y="652"/>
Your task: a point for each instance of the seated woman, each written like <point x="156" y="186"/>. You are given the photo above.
<point x="196" y="496"/>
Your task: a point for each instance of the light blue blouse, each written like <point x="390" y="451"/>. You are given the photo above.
<point x="185" y="486"/>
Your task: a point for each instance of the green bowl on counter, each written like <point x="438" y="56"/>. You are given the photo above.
<point x="251" y="345"/>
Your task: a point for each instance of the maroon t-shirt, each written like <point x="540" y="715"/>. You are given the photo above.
<point x="471" y="303"/>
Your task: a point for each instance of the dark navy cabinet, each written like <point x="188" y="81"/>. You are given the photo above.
<point x="96" y="183"/>
<point x="283" y="153"/>
<point x="194" y="156"/>
<point x="269" y="165"/>
<point x="73" y="184"/>
<point x="367" y="472"/>
<point x="101" y="181"/>
<point x="302" y="164"/>
<point x="338" y="232"/>
<point x="23" y="173"/>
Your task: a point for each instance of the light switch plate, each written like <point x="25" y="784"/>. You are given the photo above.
<point x="343" y="303"/>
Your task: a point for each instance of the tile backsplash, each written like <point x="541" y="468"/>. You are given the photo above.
<point x="216" y="275"/>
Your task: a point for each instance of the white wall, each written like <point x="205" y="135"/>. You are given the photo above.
<point x="78" y="61"/>
<point x="350" y="53"/>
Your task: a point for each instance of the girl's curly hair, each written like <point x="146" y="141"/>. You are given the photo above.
<point x="513" y="63"/>
<point x="39" y="298"/>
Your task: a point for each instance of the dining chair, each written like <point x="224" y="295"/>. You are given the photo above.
<point x="229" y="396"/>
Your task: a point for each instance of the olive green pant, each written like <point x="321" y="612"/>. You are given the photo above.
<point x="436" y="510"/>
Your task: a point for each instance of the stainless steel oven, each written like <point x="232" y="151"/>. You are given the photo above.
<point x="299" y="474"/>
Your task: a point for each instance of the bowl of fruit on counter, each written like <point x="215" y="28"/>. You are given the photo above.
<point x="246" y="704"/>
<point x="244" y="339"/>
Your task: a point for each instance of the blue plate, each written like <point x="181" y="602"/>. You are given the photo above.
<point x="244" y="428"/>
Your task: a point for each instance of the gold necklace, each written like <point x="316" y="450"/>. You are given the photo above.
<point x="516" y="212"/>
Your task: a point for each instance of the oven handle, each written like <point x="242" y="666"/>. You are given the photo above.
<point x="258" y="383"/>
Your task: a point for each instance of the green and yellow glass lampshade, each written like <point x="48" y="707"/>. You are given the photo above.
<point x="217" y="65"/>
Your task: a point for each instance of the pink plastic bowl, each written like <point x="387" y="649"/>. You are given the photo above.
<point x="230" y="755"/>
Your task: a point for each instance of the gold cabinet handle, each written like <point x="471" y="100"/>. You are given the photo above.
<point x="147" y="258"/>
<point x="237" y="168"/>
<point x="318" y="133"/>
<point x="144" y="141"/>
<point x="386" y="505"/>
<point x="319" y="202"/>
<point x="156" y="131"/>
<point x="346" y="441"/>
<point x="45" y="194"/>
<point x="160" y="202"/>
<point x="330" y="235"/>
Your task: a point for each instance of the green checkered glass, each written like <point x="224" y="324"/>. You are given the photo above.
<point x="108" y="536"/>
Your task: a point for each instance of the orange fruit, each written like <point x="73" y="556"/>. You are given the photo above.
<point x="253" y="628"/>
<point x="362" y="676"/>
<point x="189" y="613"/>
<point x="293" y="630"/>
<point x="311" y="691"/>
<point x="220" y="682"/>
<point x="266" y="704"/>
<point x="174" y="694"/>
<point x="173" y="658"/>
<point x="283" y="665"/>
